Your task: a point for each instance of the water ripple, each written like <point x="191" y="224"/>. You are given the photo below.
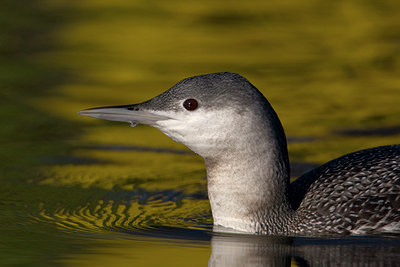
<point x="141" y="212"/>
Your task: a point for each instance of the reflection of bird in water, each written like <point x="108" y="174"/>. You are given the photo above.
<point x="246" y="250"/>
<point x="227" y="121"/>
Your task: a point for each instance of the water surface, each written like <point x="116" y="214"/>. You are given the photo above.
<point x="78" y="191"/>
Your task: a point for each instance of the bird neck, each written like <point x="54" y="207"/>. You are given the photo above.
<point x="248" y="183"/>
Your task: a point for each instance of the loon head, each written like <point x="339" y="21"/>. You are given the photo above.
<point x="211" y="114"/>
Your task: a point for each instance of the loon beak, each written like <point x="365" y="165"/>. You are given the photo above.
<point x="128" y="113"/>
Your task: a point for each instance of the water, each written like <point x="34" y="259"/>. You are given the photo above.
<point x="77" y="191"/>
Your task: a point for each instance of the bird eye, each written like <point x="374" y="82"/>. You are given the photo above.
<point x="190" y="104"/>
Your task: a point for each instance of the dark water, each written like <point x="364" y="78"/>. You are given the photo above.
<point x="78" y="192"/>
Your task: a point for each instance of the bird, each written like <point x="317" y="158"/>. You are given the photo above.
<point x="226" y="120"/>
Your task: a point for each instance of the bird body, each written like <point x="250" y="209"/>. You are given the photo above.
<point x="357" y="193"/>
<point x="226" y="120"/>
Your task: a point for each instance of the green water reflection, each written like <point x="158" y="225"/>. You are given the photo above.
<point x="69" y="192"/>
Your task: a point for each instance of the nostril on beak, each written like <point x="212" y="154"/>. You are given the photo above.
<point x="133" y="108"/>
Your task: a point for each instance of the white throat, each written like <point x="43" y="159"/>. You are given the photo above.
<point x="247" y="187"/>
<point x="248" y="174"/>
<point x="246" y="159"/>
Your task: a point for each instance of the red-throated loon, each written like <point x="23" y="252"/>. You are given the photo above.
<point x="226" y="120"/>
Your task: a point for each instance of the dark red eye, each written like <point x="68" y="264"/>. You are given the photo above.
<point x="190" y="104"/>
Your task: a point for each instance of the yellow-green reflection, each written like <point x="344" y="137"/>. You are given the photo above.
<point x="145" y="252"/>
<point x="324" y="66"/>
<point x="143" y="189"/>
